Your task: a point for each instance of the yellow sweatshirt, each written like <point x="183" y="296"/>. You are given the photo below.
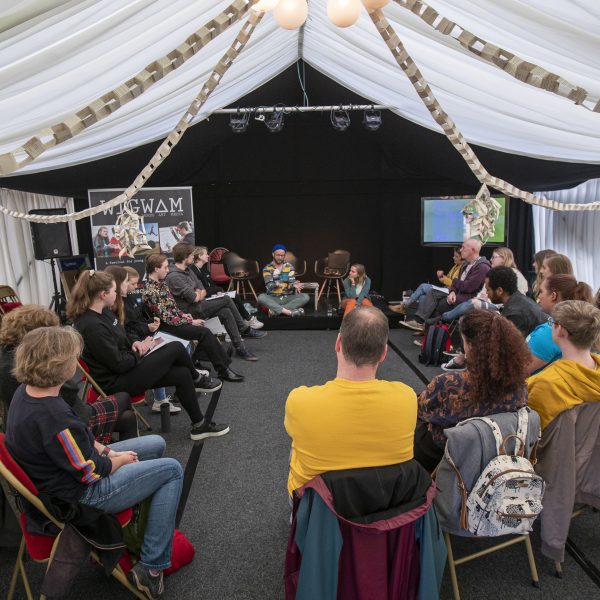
<point x="348" y="425"/>
<point x="561" y="386"/>
<point x="452" y="273"/>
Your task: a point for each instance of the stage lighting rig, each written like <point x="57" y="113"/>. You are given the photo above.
<point x="340" y="119"/>
<point x="274" y="120"/>
<point x="239" y="121"/>
<point x="372" y="120"/>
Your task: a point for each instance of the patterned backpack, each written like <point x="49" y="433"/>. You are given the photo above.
<point x="507" y="497"/>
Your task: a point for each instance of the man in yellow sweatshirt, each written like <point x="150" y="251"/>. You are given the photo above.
<point x="354" y="420"/>
<point x="575" y="378"/>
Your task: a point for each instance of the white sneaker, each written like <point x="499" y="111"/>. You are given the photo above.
<point x="255" y="323"/>
<point x="227" y="339"/>
<point x="172" y="408"/>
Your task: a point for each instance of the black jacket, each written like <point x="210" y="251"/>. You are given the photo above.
<point x="107" y="349"/>
<point x="524" y="313"/>
<point x="212" y="289"/>
<point x="136" y="318"/>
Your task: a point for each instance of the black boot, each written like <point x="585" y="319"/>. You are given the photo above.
<point x="229" y="375"/>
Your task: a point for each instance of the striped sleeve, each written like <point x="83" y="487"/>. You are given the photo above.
<point x="80" y="458"/>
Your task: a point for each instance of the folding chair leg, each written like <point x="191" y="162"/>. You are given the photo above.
<point x="120" y="576"/>
<point x="535" y="580"/>
<point x="19" y="568"/>
<point x="452" y="567"/>
<point x="139" y="415"/>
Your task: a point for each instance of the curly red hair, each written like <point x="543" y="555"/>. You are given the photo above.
<point x="498" y="355"/>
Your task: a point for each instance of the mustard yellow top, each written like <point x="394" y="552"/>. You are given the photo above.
<point x="347" y="425"/>
<point x="561" y="386"/>
<point x="452" y="273"/>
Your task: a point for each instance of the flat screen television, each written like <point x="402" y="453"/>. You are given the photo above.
<point x="79" y="262"/>
<point x="443" y="222"/>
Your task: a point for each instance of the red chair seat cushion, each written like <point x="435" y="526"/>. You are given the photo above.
<point x="8" y="306"/>
<point x="39" y="547"/>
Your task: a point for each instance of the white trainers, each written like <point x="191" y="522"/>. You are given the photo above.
<point x="227" y="339"/>
<point x="172" y="408"/>
<point x="255" y="323"/>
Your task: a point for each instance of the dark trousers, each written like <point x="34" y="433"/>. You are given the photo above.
<point x="206" y="341"/>
<point x="427" y="452"/>
<point x="168" y="366"/>
<point x="430" y="304"/>
<point x="225" y="309"/>
<point x="126" y="424"/>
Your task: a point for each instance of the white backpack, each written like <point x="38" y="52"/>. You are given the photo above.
<point x="507" y="497"/>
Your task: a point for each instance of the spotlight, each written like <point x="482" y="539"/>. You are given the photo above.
<point x="372" y="120"/>
<point x="274" y="121"/>
<point x="239" y="122"/>
<point x="340" y="120"/>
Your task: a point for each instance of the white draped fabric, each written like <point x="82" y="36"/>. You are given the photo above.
<point x="576" y="234"/>
<point x="56" y="57"/>
<point x="30" y="278"/>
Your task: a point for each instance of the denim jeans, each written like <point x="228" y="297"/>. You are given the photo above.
<point x="465" y="307"/>
<point x="420" y="291"/>
<point x="153" y="476"/>
<point x="276" y="304"/>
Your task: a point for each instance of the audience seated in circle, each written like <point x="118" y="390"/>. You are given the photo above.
<point x="190" y="295"/>
<point x="464" y="287"/>
<point x="59" y="453"/>
<point x="103" y="417"/>
<point x="356" y="288"/>
<point x="553" y="289"/>
<point x="493" y="382"/>
<point x="200" y="269"/>
<point x="501" y="257"/>
<point x="501" y="289"/>
<point x="355" y="420"/>
<point x="159" y="300"/>
<point x="119" y="365"/>
<point x="282" y="295"/>
<point x="575" y="377"/>
<point x="443" y="279"/>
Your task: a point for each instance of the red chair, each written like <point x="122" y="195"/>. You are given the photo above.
<point x="92" y="391"/>
<point x="8" y="300"/>
<point x="41" y="547"/>
<point x="216" y="267"/>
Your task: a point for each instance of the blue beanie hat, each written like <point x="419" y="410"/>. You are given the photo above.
<point x="278" y="247"/>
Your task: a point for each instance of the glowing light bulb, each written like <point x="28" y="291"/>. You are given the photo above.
<point x="343" y="13"/>
<point x="372" y="4"/>
<point x="291" y="14"/>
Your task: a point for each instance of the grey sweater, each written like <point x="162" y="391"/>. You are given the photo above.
<point x="183" y="286"/>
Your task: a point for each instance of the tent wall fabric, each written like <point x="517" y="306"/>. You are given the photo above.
<point x="30" y="278"/>
<point x="572" y="233"/>
<point x="91" y="47"/>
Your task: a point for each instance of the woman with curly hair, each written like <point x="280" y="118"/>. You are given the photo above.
<point x="493" y="382"/>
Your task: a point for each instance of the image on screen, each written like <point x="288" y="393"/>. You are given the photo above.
<point x="443" y="222"/>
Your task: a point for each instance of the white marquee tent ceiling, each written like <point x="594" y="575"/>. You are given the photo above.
<point x="56" y="57"/>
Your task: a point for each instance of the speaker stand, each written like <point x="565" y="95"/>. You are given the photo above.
<point x="59" y="302"/>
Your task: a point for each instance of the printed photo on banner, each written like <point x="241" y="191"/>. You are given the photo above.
<point x="159" y="218"/>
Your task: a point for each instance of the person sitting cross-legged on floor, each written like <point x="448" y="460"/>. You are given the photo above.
<point x="190" y="295"/>
<point x="354" y="420"/>
<point x="493" y="382"/>
<point x="574" y="378"/>
<point x="282" y="296"/>
<point x="200" y="269"/>
<point x="159" y="300"/>
<point x="463" y="288"/>
<point x="121" y="366"/>
<point x="423" y="288"/>
<point x="58" y="452"/>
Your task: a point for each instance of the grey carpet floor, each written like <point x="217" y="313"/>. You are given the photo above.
<point x="237" y="514"/>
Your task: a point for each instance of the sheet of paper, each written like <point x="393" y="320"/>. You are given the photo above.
<point x="444" y="290"/>
<point x="215" y="325"/>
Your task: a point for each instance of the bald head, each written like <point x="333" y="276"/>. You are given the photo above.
<point x="470" y="249"/>
<point x="363" y="336"/>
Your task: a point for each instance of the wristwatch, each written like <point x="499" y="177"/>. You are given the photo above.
<point x="106" y="451"/>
